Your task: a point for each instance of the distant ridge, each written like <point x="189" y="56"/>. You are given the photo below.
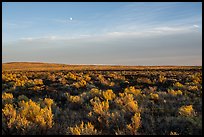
<point x="41" y="66"/>
<point x="30" y="63"/>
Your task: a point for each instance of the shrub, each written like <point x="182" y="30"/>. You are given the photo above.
<point x="178" y="85"/>
<point x="29" y="115"/>
<point x="109" y="95"/>
<point x="75" y="99"/>
<point x="133" y="127"/>
<point x="174" y="92"/>
<point x="132" y="90"/>
<point x="161" y="78"/>
<point x="48" y="102"/>
<point x="193" y="88"/>
<point x="186" y="110"/>
<point x="95" y="92"/>
<point x="20" y="83"/>
<point x="154" y="96"/>
<point x="9" y="115"/>
<point x="127" y="102"/>
<point x="99" y="107"/>
<point x="71" y="76"/>
<point x="38" y="81"/>
<point x="87" y="78"/>
<point x="32" y="112"/>
<point x="83" y="129"/>
<point x="81" y="83"/>
<point x="7" y="98"/>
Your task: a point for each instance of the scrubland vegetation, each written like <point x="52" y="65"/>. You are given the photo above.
<point x="139" y="101"/>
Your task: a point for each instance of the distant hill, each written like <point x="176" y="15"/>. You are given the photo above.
<point x="39" y="66"/>
<point x="32" y="66"/>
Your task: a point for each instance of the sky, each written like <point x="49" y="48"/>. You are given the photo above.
<point x="111" y="33"/>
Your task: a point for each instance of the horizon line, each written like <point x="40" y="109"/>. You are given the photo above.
<point x="10" y="62"/>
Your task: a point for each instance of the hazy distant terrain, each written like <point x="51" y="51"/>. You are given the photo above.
<point x="38" y="66"/>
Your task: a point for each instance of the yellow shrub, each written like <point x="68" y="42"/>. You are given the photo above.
<point x="30" y="83"/>
<point x="127" y="102"/>
<point x="132" y="90"/>
<point x="193" y="88"/>
<point x="83" y="129"/>
<point x="31" y="112"/>
<point x="179" y="85"/>
<point x="87" y="78"/>
<point x="108" y="94"/>
<point x="196" y="78"/>
<point x="71" y="76"/>
<point x="98" y="106"/>
<point x="75" y="99"/>
<point x="174" y="92"/>
<point x="154" y="96"/>
<point x="9" y="112"/>
<point x="38" y="81"/>
<point x="95" y="91"/>
<point x="48" y="102"/>
<point x="36" y="88"/>
<point x="6" y="96"/>
<point x="161" y="78"/>
<point x="132" y="106"/>
<point x="186" y="110"/>
<point x="111" y="84"/>
<point x="8" y="77"/>
<point x="81" y="83"/>
<point x="21" y="122"/>
<point x="179" y="92"/>
<point x="20" y="83"/>
<point x="136" y="122"/>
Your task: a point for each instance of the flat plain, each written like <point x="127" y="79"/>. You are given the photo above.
<point x="60" y="99"/>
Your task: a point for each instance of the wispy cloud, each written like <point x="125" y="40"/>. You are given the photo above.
<point x="196" y="26"/>
<point x="141" y="16"/>
<point x="27" y="39"/>
<point x="54" y="38"/>
<point x="157" y="31"/>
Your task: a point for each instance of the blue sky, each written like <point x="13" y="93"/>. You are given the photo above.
<point x="125" y="33"/>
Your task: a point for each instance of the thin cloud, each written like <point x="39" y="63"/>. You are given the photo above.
<point x="158" y="31"/>
<point x="42" y="38"/>
<point x="196" y="26"/>
<point x="54" y="38"/>
<point x="27" y="39"/>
